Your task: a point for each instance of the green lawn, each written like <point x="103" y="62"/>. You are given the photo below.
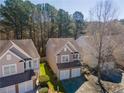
<point x="45" y="70"/>
<point x="42" y="69"/>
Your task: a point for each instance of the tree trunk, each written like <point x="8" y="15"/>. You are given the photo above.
<point x="30" y="32"/>
<point x="103" y="90"/>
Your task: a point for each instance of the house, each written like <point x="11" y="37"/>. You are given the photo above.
<point x="19" y="66"/>
<point x="89" y="52"/>
<point x="63" y="56"/>
<point x="89" y="49"/>
<point x="109" y="68"/>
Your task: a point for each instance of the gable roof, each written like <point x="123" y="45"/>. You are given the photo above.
<point x="26" y="45"/>
<point x="85" y="43"/>
<point x="56" y="44"/>
<point x="88" y="52"/>
<point x="4" y="46"/>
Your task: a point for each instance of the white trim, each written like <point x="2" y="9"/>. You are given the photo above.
<point x="8" y="51"/>
<point x="68" y="48"/>
<point x="7" y="66"/>
<point x="63" y="48"/>
<point x="72" y="45"/>
<point x="5" y="53"/>
<point x="15" y="55"/>
<point x="18" y="48"/>
<point x="62" y="57"/>
<point x="21" y="50"/>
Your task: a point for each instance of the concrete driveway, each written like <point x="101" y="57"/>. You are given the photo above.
<point x="72" y="85"/>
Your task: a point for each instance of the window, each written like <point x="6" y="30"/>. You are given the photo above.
<point x="76" y="56"/>
<point x="64" y="58"/>
<point x="9" y="69"/>
<point x="27" y="65"/>
<point x="8" y="57"/>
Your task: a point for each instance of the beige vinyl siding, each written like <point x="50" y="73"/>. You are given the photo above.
<point x="51" y="58"/>
<point x="67" y="52"/>
<point x="14" y="60"/>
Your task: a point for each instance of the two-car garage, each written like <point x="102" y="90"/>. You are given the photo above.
<point x="69" y="73"/>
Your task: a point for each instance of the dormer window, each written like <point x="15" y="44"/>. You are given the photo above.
<point x="76" y="56"/>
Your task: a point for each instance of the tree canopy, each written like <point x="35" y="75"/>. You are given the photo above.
<point x="22" y="19"/>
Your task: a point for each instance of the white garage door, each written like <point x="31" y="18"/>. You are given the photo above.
<point x="75" y="72"/>
<point x="29" y="85"/>
<point x="26" y="86"/>
<point x="22" y="87"/>
<point x="9" y="89"/>
<point x="64" y="74"/>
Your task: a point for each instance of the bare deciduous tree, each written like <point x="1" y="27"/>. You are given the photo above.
<point x="103" y="13"/>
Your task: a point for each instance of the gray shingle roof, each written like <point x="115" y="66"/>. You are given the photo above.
<point x="26" y="44"/>
<point x="57" y="43"/>
<point x="17" y="78"/>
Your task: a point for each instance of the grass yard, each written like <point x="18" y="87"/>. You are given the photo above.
<point x="45" y="70"/>
<point x="42" y="69"/>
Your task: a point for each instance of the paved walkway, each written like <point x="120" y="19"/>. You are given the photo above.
<point x="91" y="87"/>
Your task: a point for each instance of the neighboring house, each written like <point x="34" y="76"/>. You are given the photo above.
<point x="109" y="68"/>
<point x="63" y="56"/>
<point x="90" y="54"/>
<point x="19" y="66"/>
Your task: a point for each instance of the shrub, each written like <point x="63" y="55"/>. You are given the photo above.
<point x="43" y="79"/>
<point x="43" y="90"/>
